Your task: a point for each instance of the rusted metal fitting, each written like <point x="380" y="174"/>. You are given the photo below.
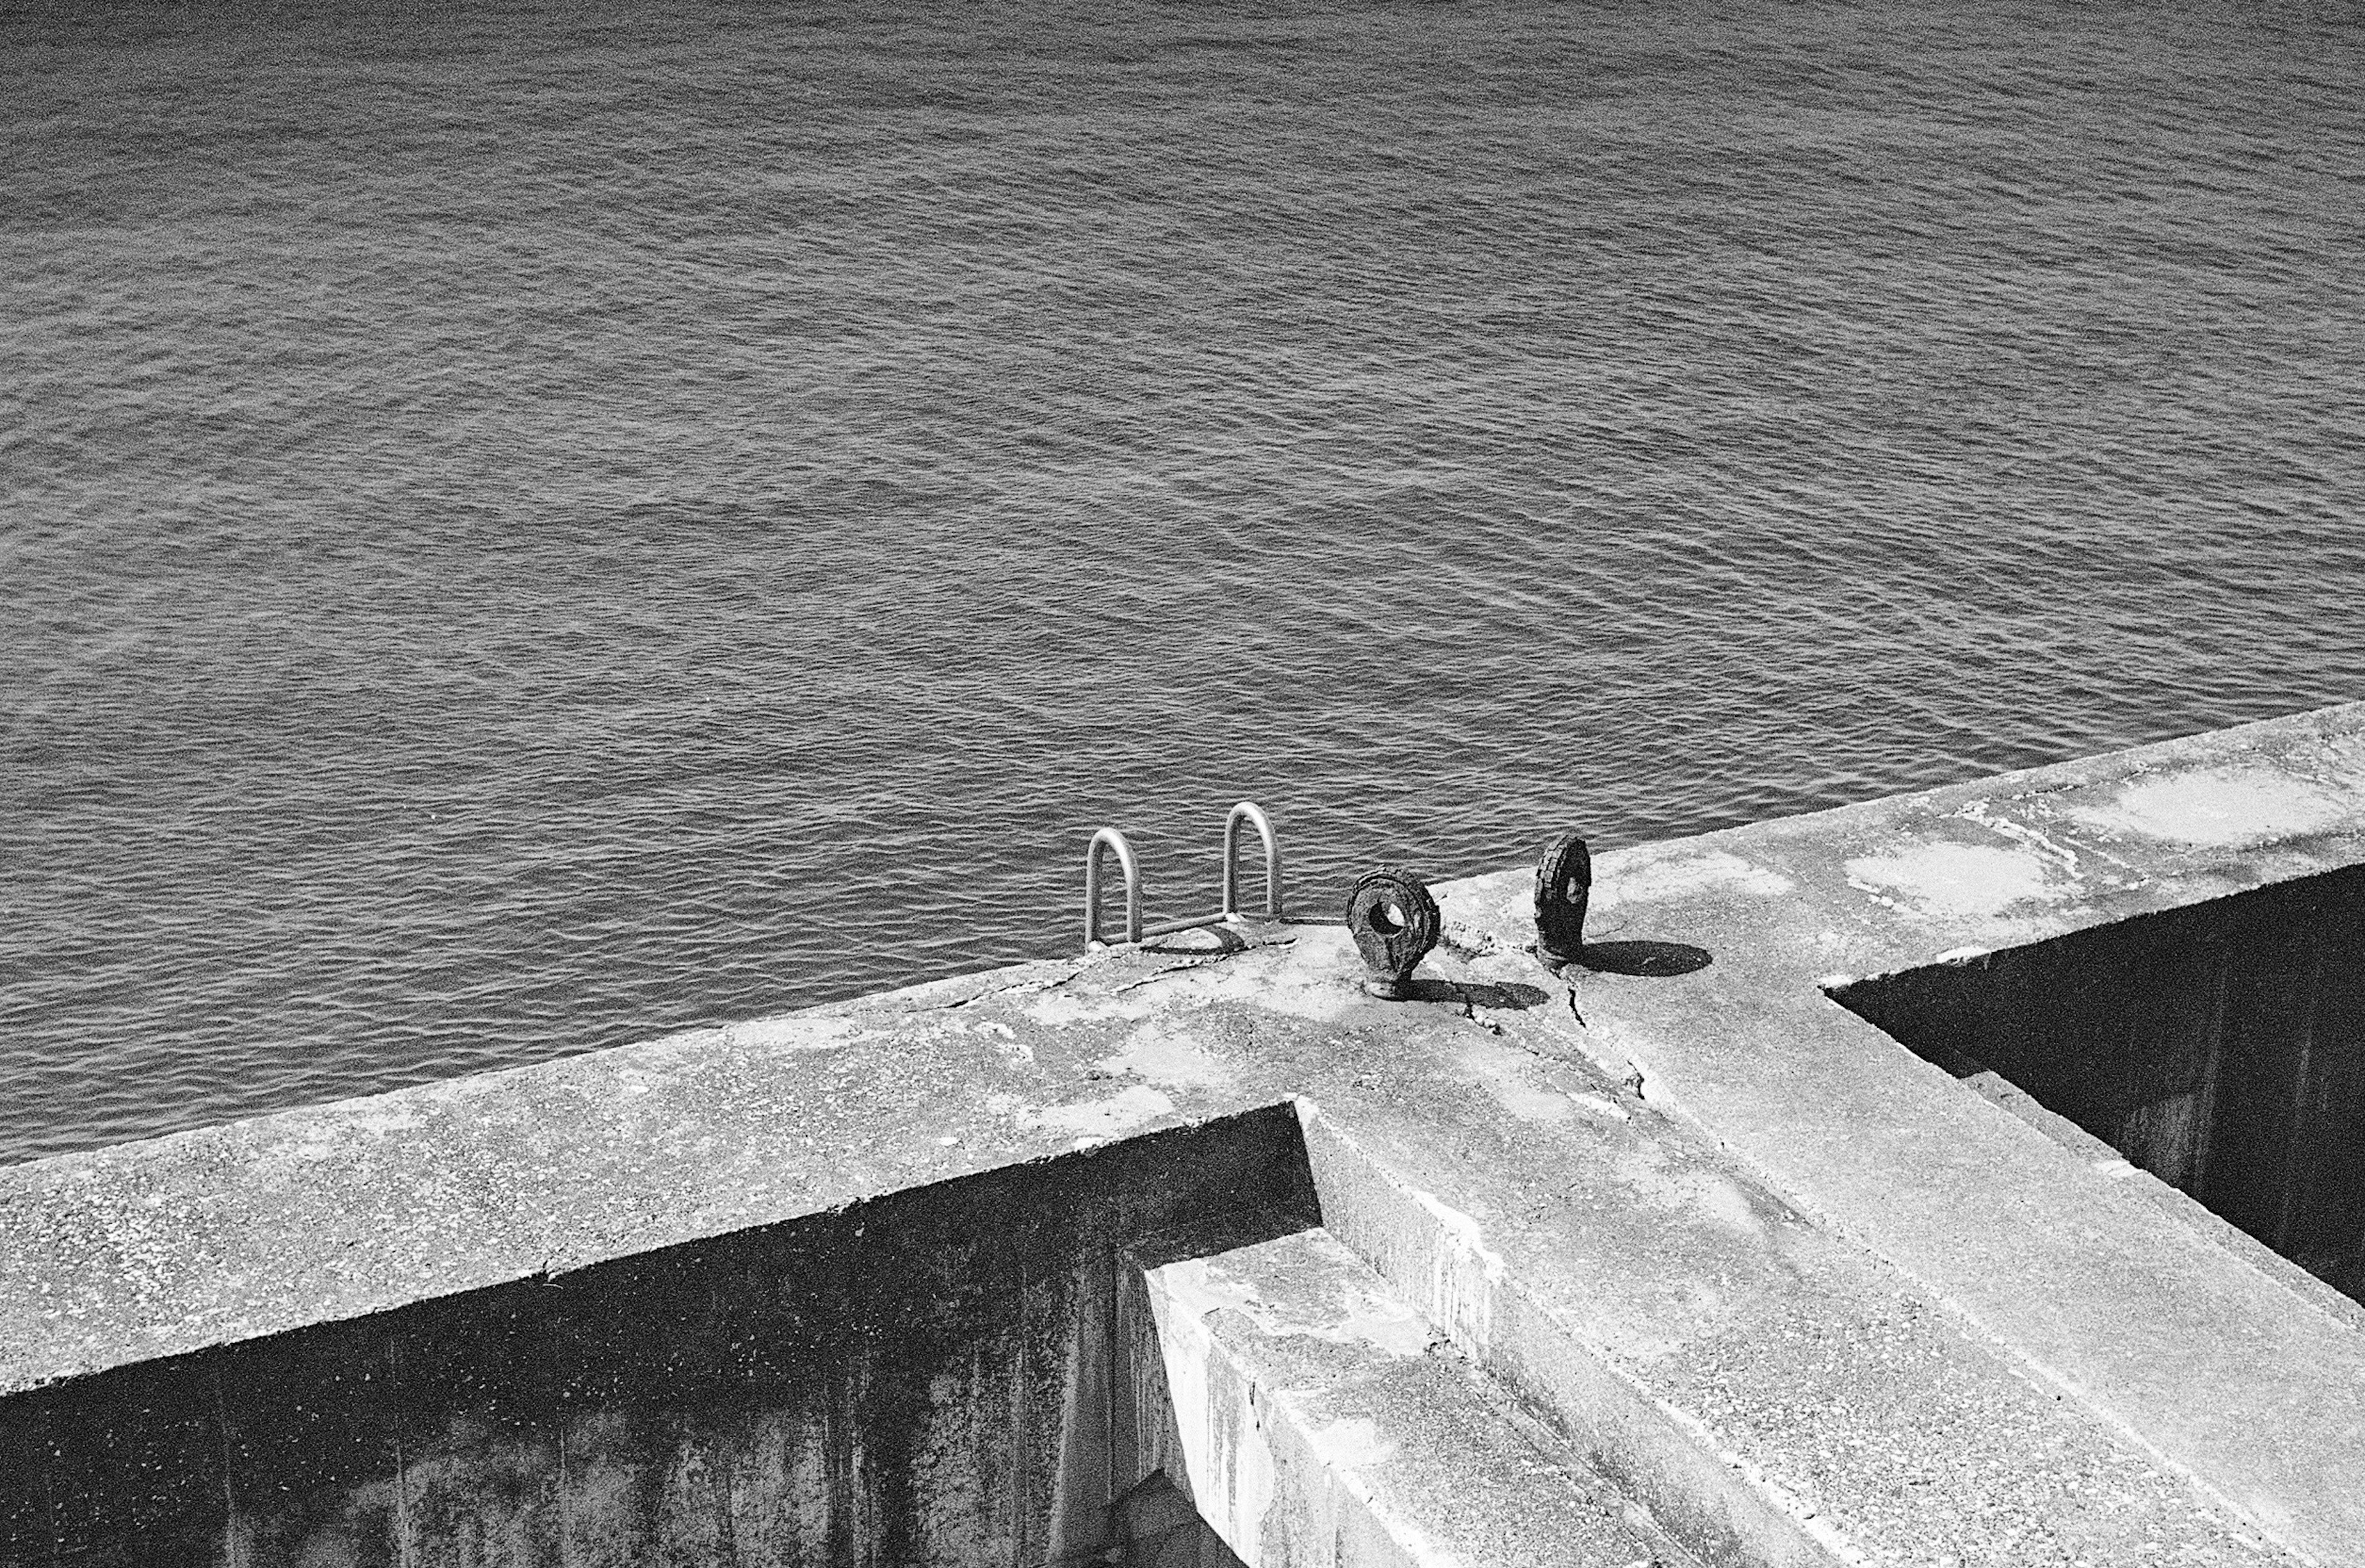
<point x="1394" y="924"/>
<point x="1563" y="883"/>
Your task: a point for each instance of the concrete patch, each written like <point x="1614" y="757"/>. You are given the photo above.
<point x="2036" y="838"/>
<point x="1505" y="1072"/>
<point x="1118" y="1112"/>
<point x="2225" y="807"/>
<point x="1310" y="1286"/>
<point x="1313" y="979"/>
<point x="1700" y="1193"/>
<point x="794" y="1032"/>
<point x="1946" y="879"/>
<point x="1353" y="1444"/>
<point x="1688" y="875"/>
<point x="1164" y="1053"/>
<point x="1061" y="1009"/>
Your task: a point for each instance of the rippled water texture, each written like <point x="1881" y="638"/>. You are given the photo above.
<point x="525" y="528"/>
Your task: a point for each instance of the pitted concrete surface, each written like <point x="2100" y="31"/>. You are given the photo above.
<point x="1804" y="1295"/>
<point x="1319" y="1421"/>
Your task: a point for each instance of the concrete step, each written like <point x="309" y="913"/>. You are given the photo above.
<point x="1316" y="1420"/>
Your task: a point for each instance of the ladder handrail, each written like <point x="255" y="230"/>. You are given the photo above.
<point x="1248" y="811"/>
<point x="1110" y="838"/>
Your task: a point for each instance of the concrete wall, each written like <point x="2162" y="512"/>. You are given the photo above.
<point x="922" y="1379"/>
<point x="2220" y="1047"/>
<point x="1730" y="1264"/>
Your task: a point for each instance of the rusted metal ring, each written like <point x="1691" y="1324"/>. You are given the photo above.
<point x="1394" y="924"/>
<point x="1563" y="885"/>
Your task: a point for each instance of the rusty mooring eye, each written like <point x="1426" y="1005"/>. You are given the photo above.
<point x="1563" y="883"/>
<point x="1395" y="923"/>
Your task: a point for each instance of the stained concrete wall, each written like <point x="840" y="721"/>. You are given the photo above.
<point x="2220" y="1047"/>
<point x="919" y="1380"/>
<point x="835" y="1286"/>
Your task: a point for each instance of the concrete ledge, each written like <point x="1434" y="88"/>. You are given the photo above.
<point x="701" y="1402"/>
<point x="1319" y="1420"/>
<point x="1621" y="1427"/>
<point x="1802" y="1293"/>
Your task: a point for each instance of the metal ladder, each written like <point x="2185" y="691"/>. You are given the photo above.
<point x="1230" y="915"/>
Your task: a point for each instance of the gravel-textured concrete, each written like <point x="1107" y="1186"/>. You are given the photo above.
<point x="1804" y="1295"/>
<point x="1320" y="1419"/>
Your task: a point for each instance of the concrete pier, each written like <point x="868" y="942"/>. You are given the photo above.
<point x="1967" y="1177"/>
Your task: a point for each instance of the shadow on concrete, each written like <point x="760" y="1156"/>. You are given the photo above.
<point x="1152" y="1521"/>
<point x="1653" y="960"/>
<point x="1198" y="940"/>
<point x="1470" y="995"/>
<point x="2219" y="1045"/>
<point x="927" y="1375"/>
<point x="1159" y="1527"/>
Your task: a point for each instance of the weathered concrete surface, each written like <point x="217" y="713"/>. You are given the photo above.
<point x="2238" y="1378"/>
<point x="912" y="1380"/>
<point x="1801" y="1294"/>
<point x="1319" y="1420"/>
<point x="2217" y="1046"/>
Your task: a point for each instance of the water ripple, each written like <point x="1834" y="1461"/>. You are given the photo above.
<point x="524" y="529"/>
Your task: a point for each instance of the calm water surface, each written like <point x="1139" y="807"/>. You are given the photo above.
<point x="525" y="528"/>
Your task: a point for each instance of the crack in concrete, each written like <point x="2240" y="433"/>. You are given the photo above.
<point x="1024" y="988"/>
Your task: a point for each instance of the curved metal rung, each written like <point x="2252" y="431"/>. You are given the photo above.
<point x="1110" y="838"/>
<point x="1248" y="811"/>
